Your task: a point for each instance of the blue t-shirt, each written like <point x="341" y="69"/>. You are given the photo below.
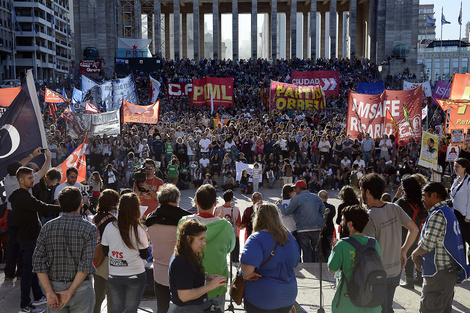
<point x="277" y="288"/>
<point x="182" y="276"/>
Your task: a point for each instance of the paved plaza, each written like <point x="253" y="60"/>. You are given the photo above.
<point x="307" y="276"/>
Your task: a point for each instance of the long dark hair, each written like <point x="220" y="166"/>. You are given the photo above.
<point x="189" y="229"/>
<point x="129" y="218"/>
<point x="348" y="195"/>
<point x="412" y="190"/>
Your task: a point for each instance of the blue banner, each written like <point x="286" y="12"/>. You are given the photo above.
<point x="375" y="88"/>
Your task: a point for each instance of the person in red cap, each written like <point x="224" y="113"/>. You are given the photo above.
<point x="308" y="210"/>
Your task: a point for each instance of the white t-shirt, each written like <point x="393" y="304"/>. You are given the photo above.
<point x="204" y="162"/>
<point x="122" y="260"/>
<point x="346" y="163"/>
<point x="361" y="164"/>
<point x="62" y="186"/>
<point x="288" y="220"/>
<point x="204" y="145"/>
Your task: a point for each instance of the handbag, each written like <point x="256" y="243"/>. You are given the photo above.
<point x="237" y="288"/>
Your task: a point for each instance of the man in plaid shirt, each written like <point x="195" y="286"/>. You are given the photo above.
<point x="63" y="258"/>
<point x="441" y="252"/>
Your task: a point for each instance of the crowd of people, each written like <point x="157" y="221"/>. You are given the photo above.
<point x="147" y="166"/>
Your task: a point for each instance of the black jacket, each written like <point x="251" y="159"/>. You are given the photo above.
<point x="26" y="209"/>
<point x="166" y="214"/>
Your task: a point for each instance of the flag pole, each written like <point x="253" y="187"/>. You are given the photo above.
<point x="442" y="24"/>
<point x="460" y="32"/>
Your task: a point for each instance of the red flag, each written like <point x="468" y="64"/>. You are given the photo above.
<point x="78" y="160"/>
<point x="218" y="120"/>
<point x="68" y="116"/>
<point x="91" y="109"/>
<point x="52" y="110"/>
<point x="54" y="97"/>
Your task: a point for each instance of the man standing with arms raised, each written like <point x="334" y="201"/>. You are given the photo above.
<point x="308" y="210"/>
<point x="385" y="225"/>
<point x="147" y="191"/>
<point x="220" y="238"/>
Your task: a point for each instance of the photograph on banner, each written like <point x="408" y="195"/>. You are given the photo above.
<point x="457" y="136"/>
<point x="77" y="124"/>
<point x="467" y="136"/>
<point x="452" y="153"/>
<point x="239" y="167"/>
<point x="292" y="97"/>
<point x="428" y="155"/>
<point x="368" y="114"/>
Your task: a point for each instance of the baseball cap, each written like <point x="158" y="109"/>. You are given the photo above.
<point x="300" y="183"/>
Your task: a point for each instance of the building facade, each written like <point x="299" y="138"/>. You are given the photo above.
<point x="369" y="28"/>
<point x="43" y="39"/>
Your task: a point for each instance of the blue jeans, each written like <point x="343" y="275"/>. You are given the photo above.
<point x="126" y="292"/>
<point x="29" y="280"/>
<point x="392" y="284"/>
<point x="308" y="241"/>
<point x="82" y="300"/>
<point x="365" y="156"/>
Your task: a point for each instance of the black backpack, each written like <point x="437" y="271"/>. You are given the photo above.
<point x="367" y="286"/>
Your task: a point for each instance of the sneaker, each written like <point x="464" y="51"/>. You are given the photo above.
<point x="41" y="301"/>
<point x="31" y="309"/>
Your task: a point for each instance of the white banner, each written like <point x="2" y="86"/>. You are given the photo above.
<point x="239" y="167"/>
<point x="426" y="87"/>
<point x="155" y="89"/>
<point x="124" y="89"/>
<point x="87" y="84"/>
<point x="98" y="124"/>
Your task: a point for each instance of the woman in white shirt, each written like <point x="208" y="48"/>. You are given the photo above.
<point x="460" y="195"/>
<point x="126" y="244"/>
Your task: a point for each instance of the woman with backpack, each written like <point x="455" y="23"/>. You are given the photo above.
<point x="412" y="204"/>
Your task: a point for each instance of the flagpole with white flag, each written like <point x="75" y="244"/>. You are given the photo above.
<point x="443" y="22"/>
<point x="212" y="105"/>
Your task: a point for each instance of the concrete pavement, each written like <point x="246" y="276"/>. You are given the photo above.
<point x="307" y="275"/>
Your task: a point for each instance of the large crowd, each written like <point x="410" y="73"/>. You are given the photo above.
<point x="308" y="151"/>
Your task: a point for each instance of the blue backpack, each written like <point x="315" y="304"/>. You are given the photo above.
<point x="367" y="286"/>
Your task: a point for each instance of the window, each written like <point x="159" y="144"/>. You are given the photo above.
<point x="455" y="65"/>
<point x="464" y="65"/>
<point x="420" y="61"/>
<point x="437" y="70"/>
<point x="446" y="72"/>
<point x="428" y="68"/>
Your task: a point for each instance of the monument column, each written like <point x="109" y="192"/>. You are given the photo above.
<point x="380" y="30"/>
<point x="352" y="28"/>
<point x="373" y="30"/>
<point x="137" y="19"/>
<point x="157" y="24"/>
<point x="288" y="26"/>
<point x="167" y="36"/>
<point x="202" y="39"/>
<point x="184" y="34"/>
<point x="293" y="28"/>
<point x="305" y="36"/>
<point x="340" y="34"/>
<point x="176" y="28"/>
<point x="254" y="29"/>
<point x="235" y="29"/>
<point x="215" y="29"/>
<point x="273" y="28"/>
<point x="313" y="29"/>
<point x="322" y="34"/>
<point x="196" y="33"/>
<point x="332" y="29"/>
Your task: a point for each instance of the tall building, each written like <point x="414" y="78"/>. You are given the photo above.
<point x="6" y="40"/>
<point x="43" y="39"/>
<point x="424" y="31"/>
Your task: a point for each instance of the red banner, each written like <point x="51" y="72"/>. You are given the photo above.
<point x="459" y="117"/>
<point x="147" y="114"/>
<point x="328" y="80"/>
<point x="90" y="66"/>
<point x="210" y="89"/>
<point x="179" y="89"/>
<point x="368" y="114"/>
<point x="76" y="159"/>
<point x="291" y="97"/>
<point x="54" y="97"/>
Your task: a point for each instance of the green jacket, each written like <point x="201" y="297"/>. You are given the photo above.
<point x="220" y="242"/>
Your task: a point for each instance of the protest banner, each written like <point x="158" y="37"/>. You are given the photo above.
<point x="427" y="91"/>
<point x="375" y="88"/>
<point x="97" y="124"/>
<point x="54" y="97"/>
<point x="452" y="153"/>
<point x="133" y="48"/>
<point x="154" y="89"/>
<point x="240" y="166"/>
<point x="123" y="89"/>
<point x="179" y="89"/>
<point x="460" y="87"/>
<point x="457" y="136"/>
<point x="368" y="114"/>
<point x="292" y="97"/>
<point x="328" y="80"/>
<point x="441" y="91"/>
<point x="7" y="95"/>
<point x="467" y="136"/>
<point x="76" y="159"/>
<point x="459" y="117"/>
<point x="87" y="67"/>
<point x="139" y="113"/>
<point x="428" y="155"/>
<point x="219" y="91"/>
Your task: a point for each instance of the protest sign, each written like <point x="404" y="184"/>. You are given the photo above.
<point x="428" y="155"/>
<point x="292" y="97"/>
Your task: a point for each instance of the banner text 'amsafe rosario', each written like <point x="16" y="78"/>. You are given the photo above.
<point x="368" y="114"/>
<point x="291" y="97"/>
<point x="210" y="89"/>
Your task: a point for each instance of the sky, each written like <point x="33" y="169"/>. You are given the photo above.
<point x="451" y="13"/>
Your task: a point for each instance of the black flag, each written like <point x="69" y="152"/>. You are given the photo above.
<point x="21" y="129"/>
